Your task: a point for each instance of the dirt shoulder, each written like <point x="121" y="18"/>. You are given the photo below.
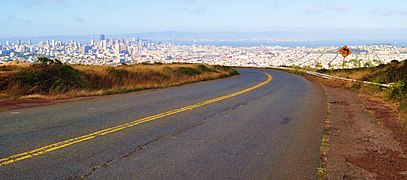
<point x="367" y="139"/>
<point x="7" y="105"/>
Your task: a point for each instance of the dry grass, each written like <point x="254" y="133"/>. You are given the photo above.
<point x="352" y="75"/>
<point x="16" y="63"/>
<point x="61" y="81"/>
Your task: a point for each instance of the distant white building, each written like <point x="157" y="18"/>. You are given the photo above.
<point x="119" y="60"/>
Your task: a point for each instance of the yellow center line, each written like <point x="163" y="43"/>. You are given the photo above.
<point x="69" y="142"/>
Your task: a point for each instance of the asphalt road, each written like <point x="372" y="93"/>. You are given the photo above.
<point x="272" y="132"/>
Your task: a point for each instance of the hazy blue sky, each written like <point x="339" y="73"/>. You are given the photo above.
<point x="75" y="17"/>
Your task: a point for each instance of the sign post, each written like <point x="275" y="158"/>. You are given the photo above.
<point x="345" y="51"/>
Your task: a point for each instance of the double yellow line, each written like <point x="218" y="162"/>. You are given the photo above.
<point x="69" y="142"/>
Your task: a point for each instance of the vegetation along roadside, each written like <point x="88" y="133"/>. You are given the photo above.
<point x="51" y="79"/>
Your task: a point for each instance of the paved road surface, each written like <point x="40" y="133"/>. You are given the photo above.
<point x="272" y="132"/>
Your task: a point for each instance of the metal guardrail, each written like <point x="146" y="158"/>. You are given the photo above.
<point x="326" y="76"/>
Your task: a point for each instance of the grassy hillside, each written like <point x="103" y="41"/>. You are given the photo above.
<point x="394" y="72"/>
<point x="385" y="73"/>
<point x="54" y="79"/>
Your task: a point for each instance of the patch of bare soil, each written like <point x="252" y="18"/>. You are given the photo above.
<point x="363" y="147"/>
<point x="387" y="164"/>
<point x="16" y="104"/>
<point x="27" y="103"/>
<point x="387" y="115"/>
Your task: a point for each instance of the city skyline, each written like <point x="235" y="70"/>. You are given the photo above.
<point x="116" y="51"/>
<point x="25" y="18"/>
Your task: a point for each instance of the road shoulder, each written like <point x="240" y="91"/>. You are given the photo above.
<point x="361" y="143"/>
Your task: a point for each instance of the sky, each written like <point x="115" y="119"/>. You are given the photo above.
<point x="19" y="18"/>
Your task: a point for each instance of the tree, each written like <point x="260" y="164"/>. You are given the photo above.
<point x="48" y="61"/>
<point x="394" y="62"/>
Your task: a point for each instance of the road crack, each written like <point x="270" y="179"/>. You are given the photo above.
<point x="5" y="173"/>
<point x="141" y="147"/>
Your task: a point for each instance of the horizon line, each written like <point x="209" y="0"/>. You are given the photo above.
<point x="289" y="29"/>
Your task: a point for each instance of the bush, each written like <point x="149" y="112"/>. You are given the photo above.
<point x="43" y="78"/>
<point x="48" y="61"/>
<point x="397" y="91"/>
<point x="233" y="72"/>
<point x="167" y="69"/>
<point x="230" y="70"/>
<point x="299" y="72"/>
<point x="394" y="62"/>
<point x="324" y="71"/>
<point x="146" y="63"/>
<point x="116" y="73"/>
<point x="203" y="68"/>
<point x="223" y="68"/>
<point x="187" y="71"/>
<point x="94" y="80"/>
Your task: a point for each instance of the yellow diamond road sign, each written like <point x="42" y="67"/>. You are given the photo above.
<point x="345" y="51"/>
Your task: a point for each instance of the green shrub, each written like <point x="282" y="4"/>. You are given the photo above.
<point x="43" y="78"/>
<point x="95" y="81"/>
<point x="219" y="67"/>
<point x="48" y="61"/>
<point x="187" y="71"/>
<point x="230" y="70"/>
<point x="116" y="72"/>
<point x="373" y="89"/>
<point x="233" y="72"/>
<point x="146" y="63"/>
<point x="324" y="71"/>
<point x="167" y="69"/>
<point x="397" y="91"/>
<point x="299" y="72"/>
<point x="203" y="68"/>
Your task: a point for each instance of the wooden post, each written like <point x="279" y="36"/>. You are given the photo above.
<point x="343" y="63"/>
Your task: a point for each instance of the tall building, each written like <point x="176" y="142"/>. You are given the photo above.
<point x="117" y="49"/>
<point x="86" y="49"/>
<point x="91" y="40"/>
<point x="103" y="44"/>
<point x="102" y="37"/>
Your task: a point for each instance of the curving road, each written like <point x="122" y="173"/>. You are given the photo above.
<point x="272" y="131"/>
